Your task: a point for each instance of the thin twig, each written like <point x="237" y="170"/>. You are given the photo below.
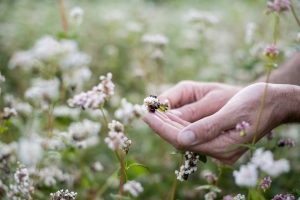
<point x="176" y="181"/>
<point x="295" y="16"/>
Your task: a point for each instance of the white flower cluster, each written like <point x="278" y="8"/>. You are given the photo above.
<point x="189" y="166"/>
<point x="97" y="167"/>
<point x="133" y="187"/>
<point x="196" y="16"/>
<point x="116" y="139"/>
<point x="150" y="101"/>
<point x="43" y="89"/>
<point x="76" y="15"/>
<point x="7" y="150"/>
<point x="23" y="188"/>
<point x="156" y="39"/>
<point x="50" y="175"/>
<point x="9" y="112"/>
<point x="264" y="160"/>
<point x="84" y="133"/>
<point x="210" y="196"/>
<point x="21" y="107"/>
<point x="30" y="149"/>
<point x="63" y="195"/>
<point x="65" y="111"/>
<point x="128" y="112"/>
<point x="95" y="97"/>
<point x="239" y="197"/>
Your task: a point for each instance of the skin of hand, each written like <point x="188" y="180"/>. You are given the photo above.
<point x="212" y="135"/>
<point x="192" y="101"/>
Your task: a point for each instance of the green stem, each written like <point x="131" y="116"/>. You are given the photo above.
<point x="295" y="15"/>
<point x="105" y="119"/>
<point x="120" y="158"/>
<point x="220" y="174"/>
<point x="108" y="182"/>
<point x="176" y="180"/>
<point x="275" y="28"/>
<point x="261" y="106"/>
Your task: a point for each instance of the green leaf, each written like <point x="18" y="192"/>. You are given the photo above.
<point x="255" y="194"/>
<point x="118" y="197"/>
<point x="138" y="165"/>
<point x="209" y="187"/>
<point x="3" y="129"/>
<point x="162" y="108"/>
<point x="240" y="145"/>
<point x="202" y="158"/>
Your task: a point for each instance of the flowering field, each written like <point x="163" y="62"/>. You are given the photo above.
<point x="73" y="79"/>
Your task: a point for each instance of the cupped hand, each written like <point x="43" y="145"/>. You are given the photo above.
<point x="212" y="135"/>
<point x="192" y="101"/>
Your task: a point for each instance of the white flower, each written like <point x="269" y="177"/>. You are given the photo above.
<point x="80" y="131"/>
<point x="43" y="89"/>
<point x="23" y="59"/>
<point x="76" y="15"/>
<point x="115" y="140"/>
<point x="30" y="150"/>
<point x="133" y="187"/>
<point x="279" y="167"/>
<point x="196" y="16"/>
<point x="9" y="112"/>
<point x="239" y="197"/>
<point x="2" y="78"/>
<point x="116" y="126"/>
<point x="70" y="78"/>
<point x="74" y="60"/>
<point x="247" y="176"/>
<point x="189" y="166"/>
<point x="210" y="196"/>
<point x="65" y="111"/>
<point x="46" y="49"/>
<point x="61" y="194"/>
<point x="156" y="39"/>
<point x="68" y="46"/>
<point x="97" y="167"/>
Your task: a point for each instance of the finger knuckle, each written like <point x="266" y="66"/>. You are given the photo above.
<point x="207" y="129"/>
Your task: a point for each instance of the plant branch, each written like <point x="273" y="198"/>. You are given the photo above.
<point x="295" y="15"/>
<point x="63" y="15"/>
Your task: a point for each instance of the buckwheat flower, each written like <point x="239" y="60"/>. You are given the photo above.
<point x="70" y="78"/>
<point x="196" y="16"/>
<point x="116" y="126"/>
<point x="8" y="113"/>
<point x="263" y="159"/>
<point x="153" y="104"/>
<point x="80" y="131"/>
<point x="271" y="51"/>
<point x="92" y="99"/>
<point x="265" y="183"/>
<point x="241" y="127"/>
<point x="30" y="150"/>
<point x="46" y="49"/>
<point x="128" y="112"/>
<point x="24" y="59"/>
<point x="76" y="15"/>
<point x="278" y="167"/>
<point x="247" y="176"/>
<point x="63" y="195"/>
<point x="97" y="167"/>
<point x="23" y="189"/>
<point x="115" y="140"/>
<point x="188" y="167"/>
<point x="127" y="144"/>
<point x="211" y="178"/>
<point x="68" y="46"/>
<point x="43" y="89"/>
<point x="65" y="111"/>
<point x="289" y="197"/>
<point x="278" y="197"/>
<point x="239" y="197"/>
<point x="74" y="60"/>
<point x="279" y="5"/>
<point x="227" y="197"/>
<point x="157" y="54"/>
<point x="210" y="196"/>
<point x="156" y="39"/>
<point x="133" y="187"/>
<point x="285" y="142"/>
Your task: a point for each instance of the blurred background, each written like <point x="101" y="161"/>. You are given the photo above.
<point x="215" y="41"/>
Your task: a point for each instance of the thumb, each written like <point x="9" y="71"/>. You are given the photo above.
<point x="205" y="129"/>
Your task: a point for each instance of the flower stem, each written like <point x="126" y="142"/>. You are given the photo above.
<point x="295" y="15"/>
<point x="176" y="181"/>
<point x="104" y="117"/>
<point x="108" y="182"/>
<point x="120" y="158"/>
<point x="63" y="15"/>
<point x="220" y="174"/>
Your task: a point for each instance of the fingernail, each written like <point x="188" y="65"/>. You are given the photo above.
<point x="177" y="113"/>
<point x="187" y="138"/>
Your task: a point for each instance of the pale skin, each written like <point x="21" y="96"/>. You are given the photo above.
<point x="203" y="116"/>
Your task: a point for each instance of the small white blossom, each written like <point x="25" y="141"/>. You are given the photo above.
<point x="24" y="59"/>
<point x="65" y="111"/>
<point x="115" y="140"/>
<point x="188" y="167"/>
<point x="239" y="197"/>
<point x="43" y="89"/>
<point x="196" y="16"/>
<point x="156" y="39"/>
<point x="68" y="46"/>
<point x="46" y="49"/>
<point x="2" y="78"/>
<point x="74" y="60"/>
<point x="97" y="167"/>
<point x="9" y="112"/>
<point x="63" y="195"/>
<point x="116" y="126"/>
<point x="30" y="150"/>
<point x="76" y="15"/>
<point x="210" y="196"/>
<point x="247" y="176"/>
<point x="133" y="187"/>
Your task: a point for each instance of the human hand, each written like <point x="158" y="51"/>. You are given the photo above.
<point x="192" y="101"/>
<point x="212" y="135"/>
